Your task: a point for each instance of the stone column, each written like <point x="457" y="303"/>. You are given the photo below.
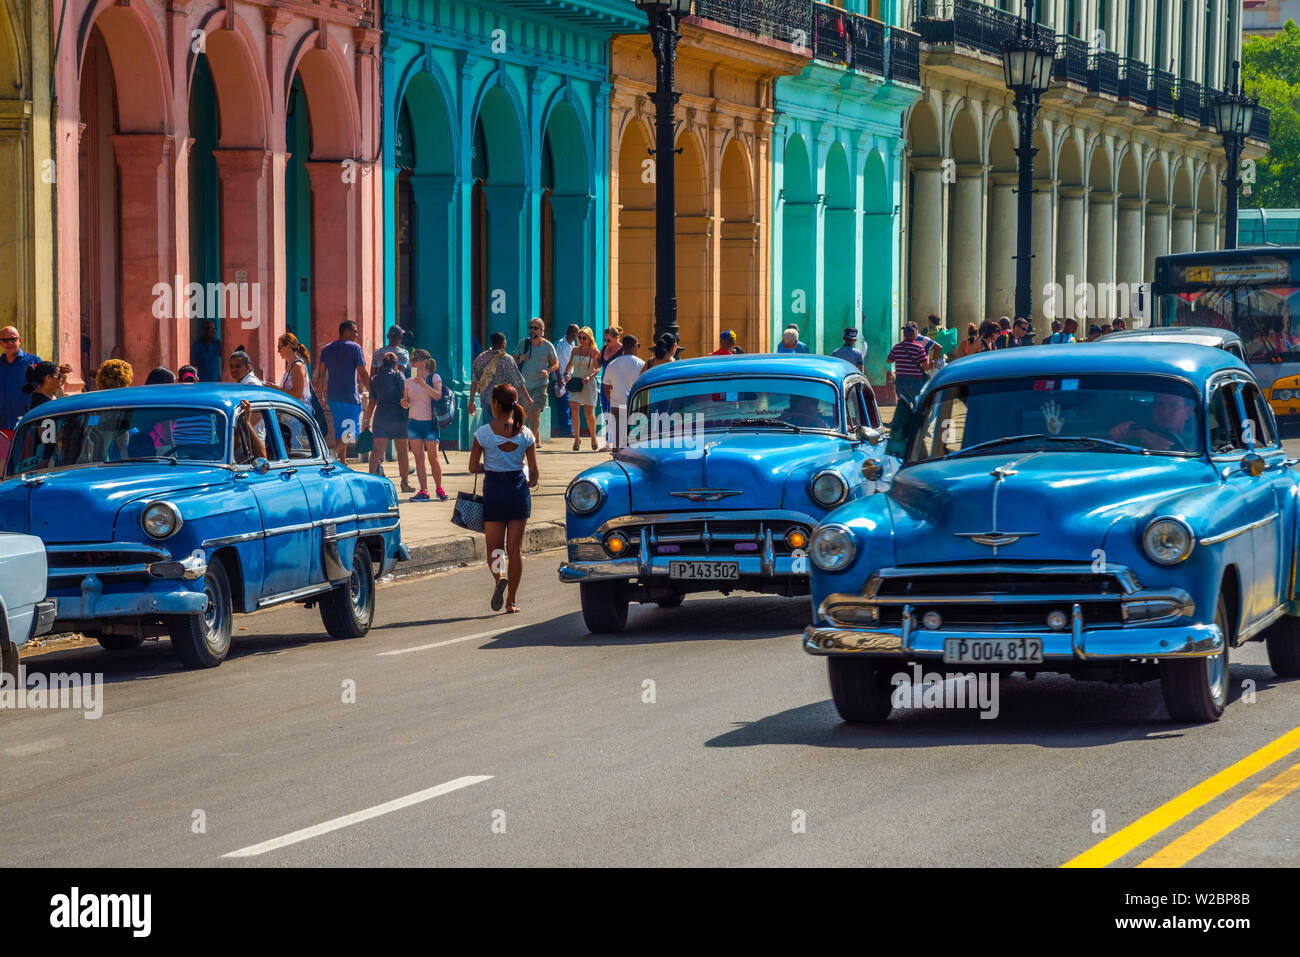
<point x="246" y="255"/>
<point x="1184" y="232"/>
<point x="1157" y="238"/>
<point x="966" y="248"/>
<point x="1071" y="237"/>
<point x="1043" y="248"/>
<point x="1207" y="233"/>
<point x="1000" y="286"/>
<point x="928" y="260"/>
<point x="145" y="164"/>
<point x="505" y="266"/>
<point x="1101" y="253"/>
<point x="333" y="259"/>
<point x="436" y="268"/>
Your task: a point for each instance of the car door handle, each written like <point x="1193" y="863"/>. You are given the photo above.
<point x="287" y="472"/>
<point x="328" y="469"/>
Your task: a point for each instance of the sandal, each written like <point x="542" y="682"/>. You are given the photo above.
<point x="512" y="609"/>
<point x="499" y="594"/>
<point x="577" y="444"/>
<point x="406" y="487"/>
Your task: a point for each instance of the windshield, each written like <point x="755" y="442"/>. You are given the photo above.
<point x="762" y="402"/>
<point x="46" y="443"/>
<point x="1267" y="316"/>
<point x="1124" y="414"/>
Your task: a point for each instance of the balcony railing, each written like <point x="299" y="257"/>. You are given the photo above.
<point x="965" y="23"/>
<point x="1161" y="98"/>
<point x="1187" y="104"/>
<point x="1103" y="73"/>
<point x="786" y="20"/>
<point x="1133" y="80"/>
<point x="1071" y="60"/>
<point x="904" y="64"/>
<point x="854" y="41"/>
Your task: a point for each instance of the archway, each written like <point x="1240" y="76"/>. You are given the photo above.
<point x="1101" y="237"/>
<point x="636" y="232"/>
<point x="877" y="249"/>
<point x="298" y="237"/>
<point x="798" y="240"/>
<point x="1071" y="223"/>
<point x="205" y="215"/>
<point x="1183" y="233"/>
<point x="1207" y="219"/>
<point x="927" y="258"/>
<point x="1158" y="220"/>
<point x="1000" y="284"/>
<point x="965" y="179"/>
<point x="839" y="290"/>
<point x="497" y="168"/>
<point x="739" y="248"/>
<point x="694" y="289"/>
<point x="566" y="223"/>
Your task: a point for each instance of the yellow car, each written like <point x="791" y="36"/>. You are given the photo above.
<point x="1284" y="396"/>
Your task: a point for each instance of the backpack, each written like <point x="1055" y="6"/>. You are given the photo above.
<point x="388" y="386"/>
<point x="444" y="410"/>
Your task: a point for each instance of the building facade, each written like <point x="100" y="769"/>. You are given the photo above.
<point x="217" y="160"/>
<point x="1264" y="18"/>
<point x="27" y="191"/>
<point x="1128" y="165"/>
<point x="837" y="179"/>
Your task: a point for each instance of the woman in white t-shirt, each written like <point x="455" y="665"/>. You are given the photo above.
<point x="499" y="450"/>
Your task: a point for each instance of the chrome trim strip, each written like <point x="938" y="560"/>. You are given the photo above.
<point x="1224" y="536"/>
<point x="129" y="547"/>
<point x="1122" y="573"/>
<point x="1252" y="630"/>
<point x="101" y="570"/>
<point x="290" y="529"/>
<point x="293" y="595"/>
<point x="651" y="518"/>
<point x="373" y="516"/>
<point x="232" y="539"/>
<point x="998" y="599"/>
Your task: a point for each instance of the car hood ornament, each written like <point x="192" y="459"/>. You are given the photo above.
<point x="994" y="538"/>
<point x="706" y="494"/>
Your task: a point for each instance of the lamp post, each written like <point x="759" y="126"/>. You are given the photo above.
<point x="1027" y="68"/>
<point x="664" y="16"/>
<point x="1233" y="113"/>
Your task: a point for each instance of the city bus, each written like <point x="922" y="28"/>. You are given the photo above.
<point x="1254" y="292"/>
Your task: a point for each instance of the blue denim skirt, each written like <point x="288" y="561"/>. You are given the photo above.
<point x="506" y="497"/>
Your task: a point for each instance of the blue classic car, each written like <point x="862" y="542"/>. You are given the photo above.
<point x="1114" y="512"/>
<point x="730" y="463"/>
<point x="164" y="508"/>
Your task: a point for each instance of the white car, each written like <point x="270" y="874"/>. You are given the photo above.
<point x="24" y="610"/>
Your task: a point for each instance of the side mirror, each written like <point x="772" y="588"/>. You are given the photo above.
<point x="261" y="466"/>
<point x="1252" y="464"/>
<point x="867" y="434"/>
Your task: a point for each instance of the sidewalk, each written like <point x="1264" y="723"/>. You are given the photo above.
<point x="436" y="544"/>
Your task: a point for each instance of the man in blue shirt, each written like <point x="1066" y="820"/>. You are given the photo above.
<point x="790" y="340"/>
<point x="13" y="376"/>
<point x="341" y="364"/>
<point x="205" y="352"/>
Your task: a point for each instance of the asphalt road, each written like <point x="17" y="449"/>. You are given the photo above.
<point x="739" y="758"/>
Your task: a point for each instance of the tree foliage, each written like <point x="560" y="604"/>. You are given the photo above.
<point x="1270" y="70"/>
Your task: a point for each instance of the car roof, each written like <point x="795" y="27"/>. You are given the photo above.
<point x="1185" y="360"/>
<point x="808" y="365"/>
<point x="1178" y="334"/>
<point x="224" y="396"/>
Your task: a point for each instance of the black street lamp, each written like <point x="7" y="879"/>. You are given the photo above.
<point x="1233" y="113"/>
<point x="664" y="15"/>
<point x="1027" y="67"/>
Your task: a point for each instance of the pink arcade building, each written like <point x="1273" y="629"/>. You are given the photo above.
<point x="215" y="160"/>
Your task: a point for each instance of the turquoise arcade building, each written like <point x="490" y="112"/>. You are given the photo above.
<point x="838" y="151"/>
<point x="496" y="169"/>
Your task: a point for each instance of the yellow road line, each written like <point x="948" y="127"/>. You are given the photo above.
<point x="1224" y="822"/>
<point x="1151" y="824"/>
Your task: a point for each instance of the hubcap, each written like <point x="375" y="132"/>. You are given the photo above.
<point x="358" y="593"/>
<point x="211" y="617"/>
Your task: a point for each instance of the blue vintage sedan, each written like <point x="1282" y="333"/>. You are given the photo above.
<point x="1114" y="512"/>
<point x="730" y="463"/>
<point x="165" y="508"/>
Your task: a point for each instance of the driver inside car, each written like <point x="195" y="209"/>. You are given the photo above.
<point x="802" y="412"/>
<point x="1171" y="427"/>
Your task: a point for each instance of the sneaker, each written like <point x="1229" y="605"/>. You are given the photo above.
<point x="421" y="496"/>
<point x="442" y="496"/>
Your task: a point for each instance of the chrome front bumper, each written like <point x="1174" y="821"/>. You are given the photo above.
<point x="1077" y="644"/>
<point x="92" y="603"/>
<point x="751" y="566"/>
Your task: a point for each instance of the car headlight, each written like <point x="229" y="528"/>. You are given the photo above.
<point x="833" y="547"/>
<point x="161" y="520"/>
<point x="829" y="489"/>
<point x="584" y="496"/>
<point x="1283" y="394"/>
<point x="1168" y="541"/>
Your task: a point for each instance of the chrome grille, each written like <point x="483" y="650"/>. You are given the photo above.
<point x="712" y="537"/>
<point x="105" y="559"/>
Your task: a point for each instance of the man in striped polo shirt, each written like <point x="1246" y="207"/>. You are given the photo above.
<point x="910" y="362"/>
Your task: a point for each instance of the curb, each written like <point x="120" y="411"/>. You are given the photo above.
<point x="470" y="549"/>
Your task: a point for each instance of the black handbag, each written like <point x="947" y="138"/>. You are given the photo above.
<point x="468" y="512"/>
<point x="575" y="384"/>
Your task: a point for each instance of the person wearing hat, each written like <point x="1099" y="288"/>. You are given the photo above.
<point x="849" y="351"/>
<point x="395" y="335"/>
<point x="44" y="382"/>
<point x="728" y="345"/>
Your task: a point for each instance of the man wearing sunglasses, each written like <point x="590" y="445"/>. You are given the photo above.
<point x="537" y="360"/>
<point x="13" y="376"/>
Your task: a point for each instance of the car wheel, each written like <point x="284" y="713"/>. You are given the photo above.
<point x="349" y="609"/>
<point x="1283" y="641"/>
<point x="1196" y="689"/>
<point x="604" y="607"/>
<point x="120" y="642"/>
<point x="672" y="601"/>
<point x="202" y="640"/>
<point x="860" y="688"/>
